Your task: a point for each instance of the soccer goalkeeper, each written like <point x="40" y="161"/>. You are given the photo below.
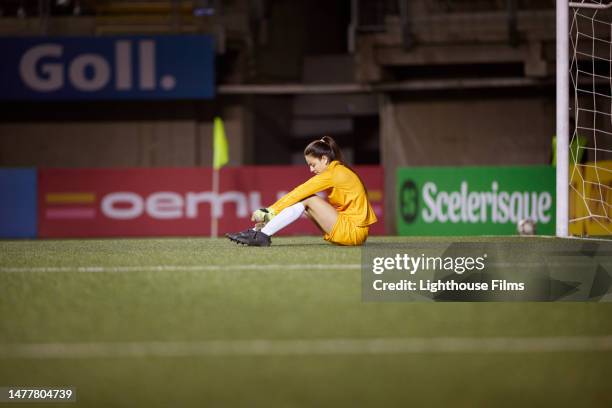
<point x="344" y="219"/>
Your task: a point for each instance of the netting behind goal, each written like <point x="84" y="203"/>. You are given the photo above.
<point x="590" y="130"/>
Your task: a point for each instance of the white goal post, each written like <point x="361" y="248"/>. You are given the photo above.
<point x="562" y="118"/>
<point x="584" y="98"/>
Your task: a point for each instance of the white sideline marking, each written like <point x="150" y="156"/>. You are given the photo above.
<point x="214" y="268"/>
<point x="305" y="347"/>
<point x="589" y="239"/>
<point x="173" y="268"/>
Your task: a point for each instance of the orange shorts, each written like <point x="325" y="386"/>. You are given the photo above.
<point x="345" y="232"/>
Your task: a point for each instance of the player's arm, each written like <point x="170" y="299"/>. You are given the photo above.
<point x="315" y="184"/>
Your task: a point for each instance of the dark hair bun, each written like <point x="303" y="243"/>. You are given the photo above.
<point x="326" y="146"/>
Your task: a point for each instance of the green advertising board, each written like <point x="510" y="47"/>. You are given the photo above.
<point x="474" y="200"/>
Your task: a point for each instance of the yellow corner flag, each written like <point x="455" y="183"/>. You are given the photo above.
<point x="220" y="149"/>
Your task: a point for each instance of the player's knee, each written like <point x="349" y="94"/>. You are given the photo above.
<point x="308" y="201"/>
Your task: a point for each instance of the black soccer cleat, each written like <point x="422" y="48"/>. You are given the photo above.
<point x="254" y="238"/>
<point x="233" y="236"/>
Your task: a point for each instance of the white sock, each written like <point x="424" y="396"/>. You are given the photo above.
<point x="284" y="218"/>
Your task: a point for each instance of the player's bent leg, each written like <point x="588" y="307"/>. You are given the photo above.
<point x="322" y="212"/>
<point x="261" y="237"/>
<point x="311" y="218"/>
<point x="319" y="210"/>
<point x="288" y="216"/>
<point x="336" y="228"/>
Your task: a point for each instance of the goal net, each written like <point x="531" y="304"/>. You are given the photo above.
<point x="590" y="118"/>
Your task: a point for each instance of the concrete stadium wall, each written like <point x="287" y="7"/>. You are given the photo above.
<point x="120" y="143"/>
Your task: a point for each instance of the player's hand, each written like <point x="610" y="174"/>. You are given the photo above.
<point x="263" y="215"/>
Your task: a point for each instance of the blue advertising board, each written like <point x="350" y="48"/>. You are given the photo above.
<point x="18" y="192"/>
<point x="107" y="68"/>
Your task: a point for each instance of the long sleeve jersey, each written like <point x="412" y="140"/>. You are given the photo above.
<point x="346" y="194"/>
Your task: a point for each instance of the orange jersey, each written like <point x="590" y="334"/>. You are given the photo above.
<point x="347" y="194"/>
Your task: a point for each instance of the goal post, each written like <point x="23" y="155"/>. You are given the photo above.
<point x="584" y="117"/>
<point x="562" y="110"/>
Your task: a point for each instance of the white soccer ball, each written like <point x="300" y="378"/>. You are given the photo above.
<point x="526" y="227"/>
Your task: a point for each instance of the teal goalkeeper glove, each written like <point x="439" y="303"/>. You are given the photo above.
<point x="263" y="215"/>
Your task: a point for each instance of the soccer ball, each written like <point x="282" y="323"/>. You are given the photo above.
<point x="526" y="227"/>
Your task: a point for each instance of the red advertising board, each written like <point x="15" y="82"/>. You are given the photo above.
<point x="172" y="201"/>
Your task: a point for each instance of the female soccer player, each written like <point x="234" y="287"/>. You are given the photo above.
<point x="344" y="218"/>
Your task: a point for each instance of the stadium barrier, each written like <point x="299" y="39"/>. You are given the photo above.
<point x="18" y="189"/>
<point x="474" y="200"/>
<point x="172" y="201"/>
<point x="177" y="202"/>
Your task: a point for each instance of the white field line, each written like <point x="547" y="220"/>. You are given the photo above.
<point x="305" y="347"/>
<point x="240" y="267"/>
<point x="175" y="268"/>
<point x="608" y="240"/>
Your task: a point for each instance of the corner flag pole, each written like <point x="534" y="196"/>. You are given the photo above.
<point x="220" y="158"/>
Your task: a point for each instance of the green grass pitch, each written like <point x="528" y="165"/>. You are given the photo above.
<point x="204" y="322"/>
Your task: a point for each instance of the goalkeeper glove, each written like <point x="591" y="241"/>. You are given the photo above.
<point x="263" y="215"/>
